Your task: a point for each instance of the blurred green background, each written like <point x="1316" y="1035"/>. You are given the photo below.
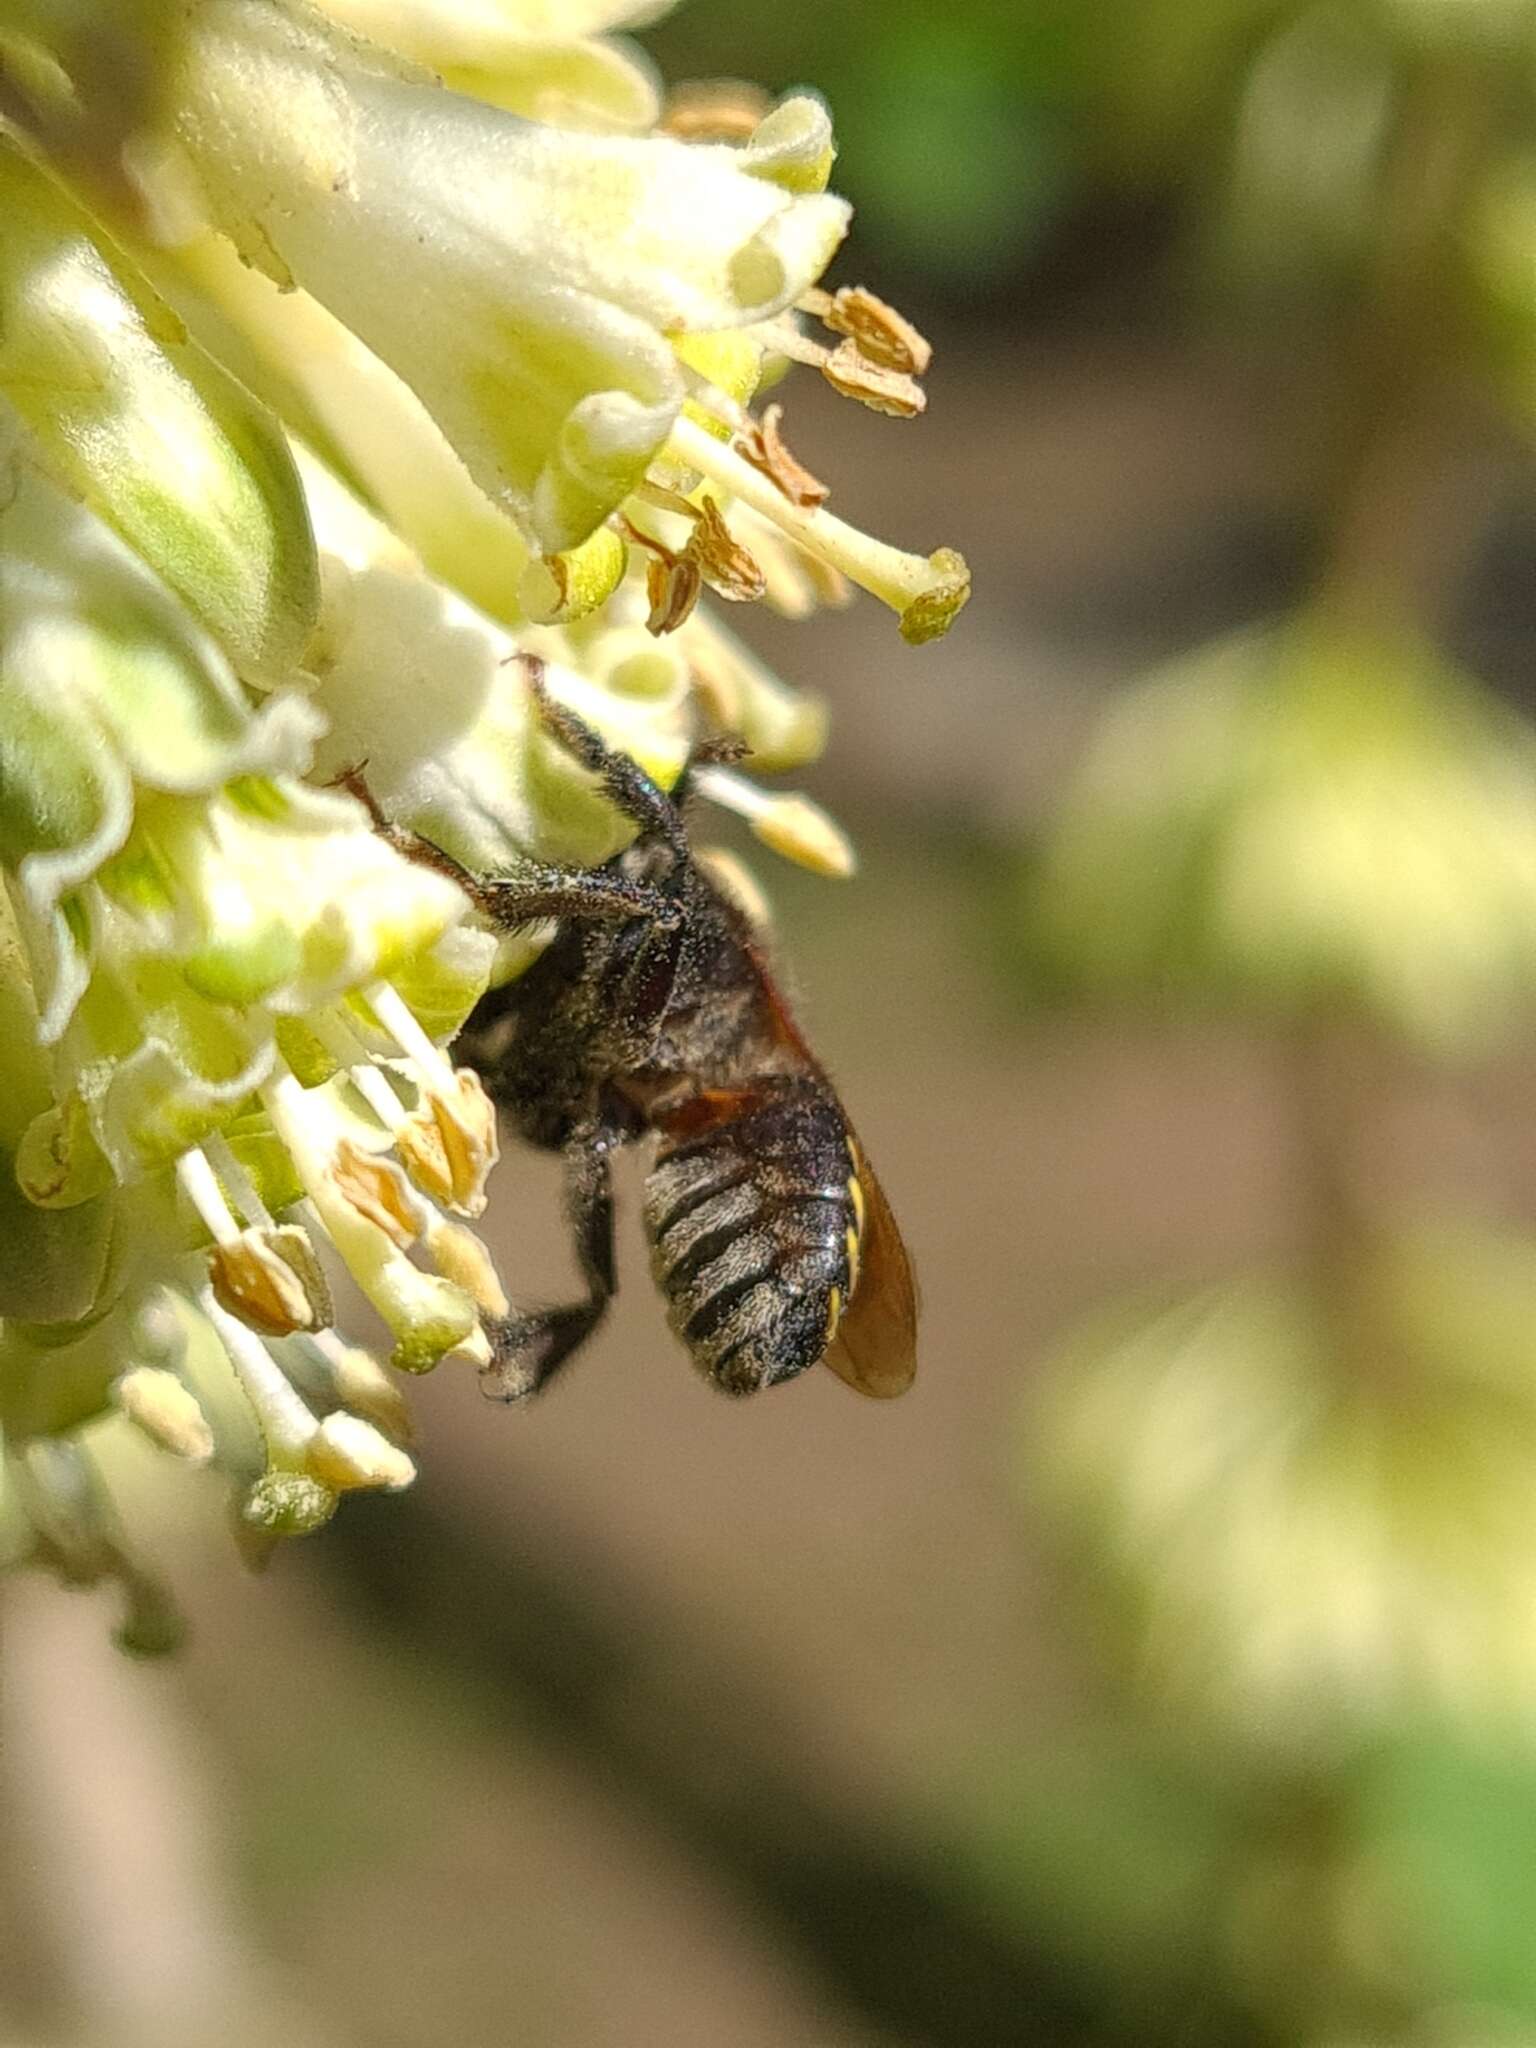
<point x="1163" y="1669"/>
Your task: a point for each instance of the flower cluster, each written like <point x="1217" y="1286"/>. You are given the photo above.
<point x="344" y="356"/>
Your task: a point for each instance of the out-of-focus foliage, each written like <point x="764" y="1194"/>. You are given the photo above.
<point x="1296" y="1505"/>
<point x="1291" y="1505"/>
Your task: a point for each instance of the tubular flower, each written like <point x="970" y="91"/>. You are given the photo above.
<point x="347" y="359"/>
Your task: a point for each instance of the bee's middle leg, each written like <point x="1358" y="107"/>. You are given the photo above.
<point x="529" y="1347"/>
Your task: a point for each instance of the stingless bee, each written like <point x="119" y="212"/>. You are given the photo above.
<point x="652" y="1011"/>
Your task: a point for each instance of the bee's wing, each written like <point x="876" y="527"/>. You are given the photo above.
<point x="875" y="1345"/>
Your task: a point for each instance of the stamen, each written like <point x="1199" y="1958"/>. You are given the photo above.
<point x="376" y="1188"/>
<point x="449" y="1145"/>
<point x="882" y="334"/>
<point x="347" y="1452"/>
<point x="795" y="582"/>
<point x="348" y="1189"/>
<point x="360" y="1383"/>
<point x="202" y="1190"/>
<point x="664" y="500"/>
<point x="272" y="1280"/>
<point x="673" y="586"/>
<point x="831" y="585"/>
<point x="166" y="1409"/>
<point x="459" y="1254"/>
<point x="396" y="1018"/>
<point x="352" y="1057"/>
<point x="726" y="566"/>
<point x="852" y="374"/>
<point x="711" y="549"/>
<point x="285" y="1422"/>
<point x="736" y="884"/>
<point x="786" y="587"/>
<point x="784" y="338"/>
<point x="672" y="580"/>
<point x="379" y="1096"/>
<point x="926" y="594"/>
<point x="222" y="1156"/>
<point x="760" y="443"/>
<point x="791" y="824"/>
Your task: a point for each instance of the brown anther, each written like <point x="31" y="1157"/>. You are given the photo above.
<point x="673" y="584"/>
<point x="878" y="331"/>
<point x="761" y="444"/>
<point x="726" y="566"/>
<point x="714" y="110"/>
<point x="465" y="1129"/>
<point x="271" y="1280"/>
<point x="420" y="1149"/>
<point x="376" y="1189"/>
<point x="849" y="371"/>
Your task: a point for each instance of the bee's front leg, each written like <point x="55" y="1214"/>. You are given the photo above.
<point x="537" y="891"/>
<point x="625" y="783"/>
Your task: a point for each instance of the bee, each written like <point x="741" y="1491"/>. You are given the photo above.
<point x="653" y="1013"/>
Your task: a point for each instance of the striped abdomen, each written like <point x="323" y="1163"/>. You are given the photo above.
<point x="754" y="1225"/>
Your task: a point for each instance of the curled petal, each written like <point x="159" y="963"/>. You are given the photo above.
<point x="521" y="279"/>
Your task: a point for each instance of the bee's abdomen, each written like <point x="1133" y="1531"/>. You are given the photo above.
<point x="753" y="1227"/>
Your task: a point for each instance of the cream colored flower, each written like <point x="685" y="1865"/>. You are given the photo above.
<point x="328" y="397"/>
